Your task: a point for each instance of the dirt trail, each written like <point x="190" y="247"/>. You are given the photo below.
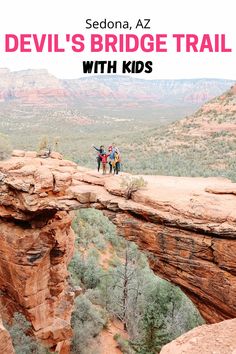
<point x="107" y="344"/>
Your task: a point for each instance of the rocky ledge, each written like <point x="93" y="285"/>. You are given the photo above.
<point x="186" y="226"/>
<point x="217" y="338"/>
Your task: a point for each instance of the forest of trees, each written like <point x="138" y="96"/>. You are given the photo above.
<point x="152" y="310"/>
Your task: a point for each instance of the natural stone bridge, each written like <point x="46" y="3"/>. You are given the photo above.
<point x="187" y="227"/>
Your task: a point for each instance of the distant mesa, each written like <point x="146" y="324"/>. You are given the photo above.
<point x="38" y="86"/>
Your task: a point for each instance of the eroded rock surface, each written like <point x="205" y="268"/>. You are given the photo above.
<point x="187" y="227"/>
<point x="217" y="338"/>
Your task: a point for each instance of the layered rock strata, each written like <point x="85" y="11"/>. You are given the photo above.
<point x="187" y="227"/>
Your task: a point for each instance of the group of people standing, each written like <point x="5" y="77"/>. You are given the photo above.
<point x="112" y="157"/>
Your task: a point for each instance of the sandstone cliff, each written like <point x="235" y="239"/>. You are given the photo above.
<point x="185" y="225"/>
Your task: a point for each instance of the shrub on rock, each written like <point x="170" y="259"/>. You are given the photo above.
<point x="132" y="184"/>
<point x="5" y="147"/>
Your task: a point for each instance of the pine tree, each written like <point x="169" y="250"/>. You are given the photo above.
<point x="153" y="325"/>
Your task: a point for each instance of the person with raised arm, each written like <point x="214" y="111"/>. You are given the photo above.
<point x="100" y="151"/>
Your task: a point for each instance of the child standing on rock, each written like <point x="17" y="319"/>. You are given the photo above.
<point x="104" y="158"/>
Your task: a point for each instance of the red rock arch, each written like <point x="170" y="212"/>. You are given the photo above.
<point x="185" y="225"/>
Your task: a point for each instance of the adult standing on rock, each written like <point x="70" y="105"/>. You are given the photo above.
<point x="100" y="151"/>
<point x="115" y="158"/>
<point x="111" y="158"/>
<point x="117" y="161"/>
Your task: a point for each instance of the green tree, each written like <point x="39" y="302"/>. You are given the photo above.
<point x="19" y="331"/>
<point x="154" y="332"/>
<point x="87" y="322"/>
<point x="153" y="311"/>
<point x="85" y="269"/>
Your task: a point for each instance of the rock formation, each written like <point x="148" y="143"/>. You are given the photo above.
<point x="31" y="87"/>
<point x="5" y="341"/>
<point x="37" y="86"/>
<point x="218" y="338"/>
<point x="214" y="117"/>
<point x="187" y="227"/>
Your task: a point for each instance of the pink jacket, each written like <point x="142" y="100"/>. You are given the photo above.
<point x="104" y="157"/>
